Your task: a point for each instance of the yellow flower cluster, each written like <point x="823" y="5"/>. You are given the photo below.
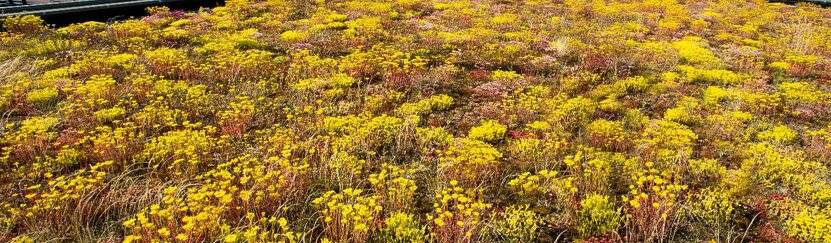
<point x="338" y="81"/>
<point x="116" y="143"/>
<point x="651" y="181"/>
<point x="653" y="200"/>
<point x="712" y="76"/>
<point x="403" y="227"/>
<point x="819" y="142"/>
<point x="457" y="214"/>
<point x="345" y="121"/>
<point x="594" y="170"/>
<point x="714" y="95"/>
<point x="433" y="136"/>
<point x="182" y="152"/>
<point x="26" y="154"/>
<point x="348" y="215"/>
<point x="43" y="98"/>
<point x="237" y="117"/>
<point x="433" y="103"/>
<point x="61" y="194"/>
<point x="684" y="112"/>
<point x="605" y="133"/>
<point x="385" y="60"/>
<point x="242" y="186"/>
<point x="801" y="92"/>
<point x="110" y="114"/>
<point x="809" y="225"/>
<point x="715" y="208"/>
<point x="362" y="132"/>
<point x="760" y="102"/>
<point x="169" y="62"/>
<point x="538" y="186"/>
<point x="668" y="140"/>
<point x="693" y="51"/>
<point x="705" y="171"/>
<point x="396" y="190"/>
<point x="802" y="99"/>
<point x="524" y="105"/>
<point x="573" y="112"/>
<point x="526" y="151"/>
<point x="778" y="134"/>
<point x="23" y="24"/>
<point x="597" y="216"/>
<point x="488" y="131"/>
<point x="802" y="221"/>
<point x="292" y="36"/>
<point x="469" y="161"/>
<point x="505" y="75"/>
<point x="92" y="94"/>
<point x="518" y="223"/>
<point x="633" y="84"/>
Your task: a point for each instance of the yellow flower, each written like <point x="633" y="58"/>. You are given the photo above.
<point x="231" y="238"/>
<point x="164" y="232"/>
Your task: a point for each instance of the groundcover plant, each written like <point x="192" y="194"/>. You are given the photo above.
<point x="421" y="121"/>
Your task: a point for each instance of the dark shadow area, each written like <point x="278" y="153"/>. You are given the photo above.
<point x="823" y="3"/>
<point x="123" y="13"/>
